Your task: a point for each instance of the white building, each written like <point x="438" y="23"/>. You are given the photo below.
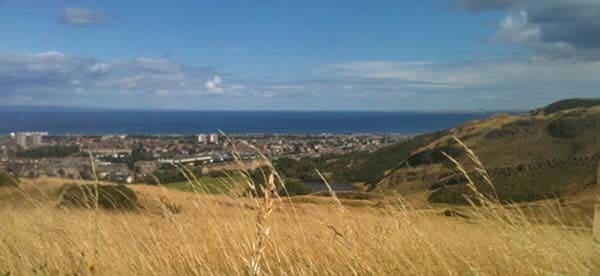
<point x="213" y="138"/>
<point x="25" y="139"/>
<point x="202" y="138"/>
<point x="36" y="139"/>
<point x="21" y="140"/>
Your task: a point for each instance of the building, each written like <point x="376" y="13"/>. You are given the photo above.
<point x="25" y="139"/>
<point x="214" y="138"/>
<point x="36" y="139"/>
<point x="21" y="140"/>
<point x="4" y="155"/>
<point x="202" y="138"/>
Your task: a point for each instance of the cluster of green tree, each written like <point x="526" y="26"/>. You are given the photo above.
<point x="363" y="167"/>
<point x="48" y="152"/>
<point x="8" y="180"/>
<point x="293" y="186"/>
<point x="373" y="168"/>
<point x="570" y="104"/>
<point x="303" y="169"/>
<point x="138" y="154"/>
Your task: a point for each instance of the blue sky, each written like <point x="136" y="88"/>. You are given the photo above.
<point x="298" y="55"/>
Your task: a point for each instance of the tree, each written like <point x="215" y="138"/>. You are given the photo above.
<point x="296" y="187"/>
<point x="293" y="186"/>
<point x="48" y="152"/>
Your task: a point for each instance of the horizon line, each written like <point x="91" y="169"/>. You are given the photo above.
<point x="95" y="108"/>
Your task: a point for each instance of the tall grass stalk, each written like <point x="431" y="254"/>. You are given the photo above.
<point x="266" y="232"/>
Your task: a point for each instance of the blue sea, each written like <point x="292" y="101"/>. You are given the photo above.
<point x="58" y="122"/>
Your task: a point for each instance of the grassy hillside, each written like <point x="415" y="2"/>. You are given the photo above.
<point x="570" y="104"/>
<point x="370" y="168"/>
<point x="182" y="233"/>
<point x="530" y="156"/>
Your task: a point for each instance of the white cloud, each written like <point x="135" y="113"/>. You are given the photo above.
<point x="81" y="17"/>
<point x="99" y="68"/>
<point x="214" y="86"/>
<point x="515" y="28"/>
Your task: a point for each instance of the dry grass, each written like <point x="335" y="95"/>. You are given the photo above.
<point x="217" y="235"/>
<point x="229" y="235"/>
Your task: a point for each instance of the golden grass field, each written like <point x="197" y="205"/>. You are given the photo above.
<point x="223" y="235"/>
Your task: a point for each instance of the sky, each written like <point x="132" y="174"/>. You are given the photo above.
<point x="386" y="55"/>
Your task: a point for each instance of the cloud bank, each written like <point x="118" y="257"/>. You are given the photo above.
<point x="553" y="29"/>
<point x="59" y="79"/>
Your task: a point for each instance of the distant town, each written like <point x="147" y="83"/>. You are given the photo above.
<point x="134" y="158"/>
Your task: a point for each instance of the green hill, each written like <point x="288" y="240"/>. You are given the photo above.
<point x="570" y="104"/>
<point x="363" y="167"/>
<point x="548" y="153"/>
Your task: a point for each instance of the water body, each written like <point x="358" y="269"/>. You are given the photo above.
<point x="192" y="122"/>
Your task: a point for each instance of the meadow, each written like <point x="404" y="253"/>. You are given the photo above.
<point x="222" y="235"/>
<point x="175" y="232"/>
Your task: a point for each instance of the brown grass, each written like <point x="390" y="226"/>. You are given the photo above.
<point x="216" y="235"/>
<point x="231" y="235"/>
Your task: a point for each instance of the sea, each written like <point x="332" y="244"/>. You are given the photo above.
<point x="104" y="122"/>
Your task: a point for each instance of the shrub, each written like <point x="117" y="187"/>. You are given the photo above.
<point x="298" y="169"/>
<point x="109" y="196"/>
<point x="293" y="186"/>
<point x="296" y="187"/>
<point x="6" y="180"/>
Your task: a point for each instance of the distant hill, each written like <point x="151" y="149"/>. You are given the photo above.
<point x="570" y="104"/>
<point x="24" y="108"/>
<point x="550" y="152"/>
